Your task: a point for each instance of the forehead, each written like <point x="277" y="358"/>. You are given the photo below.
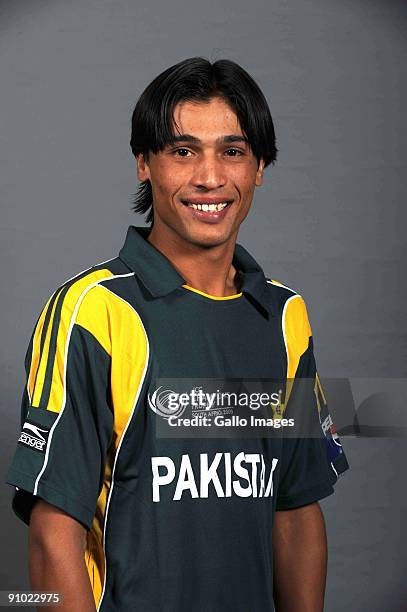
<point x="205" y="119"/>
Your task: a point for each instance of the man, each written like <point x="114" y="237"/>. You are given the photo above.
<point x="121" y="517"/>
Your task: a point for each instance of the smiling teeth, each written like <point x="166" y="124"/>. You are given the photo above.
<point x="209" y="207"/>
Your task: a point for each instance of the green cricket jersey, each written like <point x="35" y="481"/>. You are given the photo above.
<point x="173" y="524"/>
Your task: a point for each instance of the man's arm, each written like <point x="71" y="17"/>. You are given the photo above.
<point x="57" y="558"/>
<point x="299" y="559"/>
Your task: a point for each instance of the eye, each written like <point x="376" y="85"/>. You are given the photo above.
<point x="235" y="151"/>
<point x="182" y="152"/>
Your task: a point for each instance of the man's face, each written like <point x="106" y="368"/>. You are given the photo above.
<point x="210" y="164"/>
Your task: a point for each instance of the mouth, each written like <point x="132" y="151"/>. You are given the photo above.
<point x="206" y="206"/>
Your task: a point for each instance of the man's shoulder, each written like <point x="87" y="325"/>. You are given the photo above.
<point x="280" y="292"/>
<point x="290" y="305"/>
<point x="86" y="301"/>
<point x="67" y="297"/>
<point x="97" y="273"/>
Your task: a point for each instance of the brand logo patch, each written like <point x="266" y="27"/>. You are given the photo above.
<point x="34" y="436"/>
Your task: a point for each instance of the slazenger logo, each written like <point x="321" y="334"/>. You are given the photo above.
<point x="34" y="436"/>
<point x="160" y="403"/>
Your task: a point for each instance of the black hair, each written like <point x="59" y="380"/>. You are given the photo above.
<point x="196" y="79"/>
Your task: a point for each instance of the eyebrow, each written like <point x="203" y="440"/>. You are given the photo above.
<point x="222" y="140"/>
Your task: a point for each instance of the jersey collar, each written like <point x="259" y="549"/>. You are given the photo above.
<point x="159" y="276"/>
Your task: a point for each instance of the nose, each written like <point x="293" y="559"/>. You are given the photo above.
<point x="209" y="172"/>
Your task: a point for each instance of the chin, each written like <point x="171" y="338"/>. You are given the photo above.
<point x="205" y="238"/>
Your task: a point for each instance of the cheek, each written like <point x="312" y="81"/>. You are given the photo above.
<point x="244" y="180"/>
<point x="169" y="180"/>
<point x="166" y="184"/>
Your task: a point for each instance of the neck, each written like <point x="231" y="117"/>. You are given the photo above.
<point x="207" y="269"/>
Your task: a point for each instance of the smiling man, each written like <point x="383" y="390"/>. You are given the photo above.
<point x="121" y="516"/>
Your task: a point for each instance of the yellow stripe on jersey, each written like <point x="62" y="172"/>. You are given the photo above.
<point x="213" y="297"/>
<point x="297" y="331"/>
<point x="319" y="393"/>
<point x="36" y="348"/>
<point x="109" y="318"/>
<point x="94" y="552"/>
<point x="318" y="386"/>
<point x="94" y="315"/>
<point x="70" y="305"/>
<point x="116" y="321"/>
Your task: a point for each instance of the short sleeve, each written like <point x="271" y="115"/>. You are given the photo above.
<point x="66" y="412"/>
<point x="313" y="458"/>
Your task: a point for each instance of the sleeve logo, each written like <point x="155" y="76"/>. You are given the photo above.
<point x="34" y="436"/>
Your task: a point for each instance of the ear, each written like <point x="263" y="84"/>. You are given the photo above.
<point x="143" y="169"/>
<point x="259" y="173"/>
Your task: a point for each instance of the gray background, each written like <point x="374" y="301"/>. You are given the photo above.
<point x="329" y="221"/>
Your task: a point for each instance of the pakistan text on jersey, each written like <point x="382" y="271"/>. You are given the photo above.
<point x="257" y="476"/>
